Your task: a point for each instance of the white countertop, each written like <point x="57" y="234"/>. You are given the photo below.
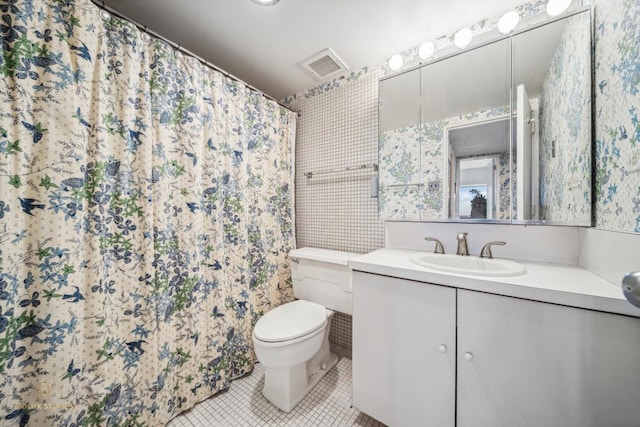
<point x="554" y="283"/>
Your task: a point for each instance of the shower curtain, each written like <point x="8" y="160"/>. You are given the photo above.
<point x="145" y="220"/>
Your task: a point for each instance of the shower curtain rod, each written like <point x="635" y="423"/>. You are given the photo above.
<point x="144" y="29"/>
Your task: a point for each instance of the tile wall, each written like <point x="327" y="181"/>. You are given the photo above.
<point x="337" y="129"/>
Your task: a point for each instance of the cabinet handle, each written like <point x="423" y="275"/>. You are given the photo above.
<point x="468" y="356"/>
<point x="442" y="348"/>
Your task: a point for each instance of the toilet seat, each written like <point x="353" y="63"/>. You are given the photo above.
<point x="290" y="321"/>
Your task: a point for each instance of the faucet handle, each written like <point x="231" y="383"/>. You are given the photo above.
<point x="462" y="235"/>
<point x="486" y="250"/>
<point x="439" y="248"/>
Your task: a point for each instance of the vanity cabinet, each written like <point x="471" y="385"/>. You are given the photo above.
<point x="515" y="362"/>
<point x="404" y="351"/>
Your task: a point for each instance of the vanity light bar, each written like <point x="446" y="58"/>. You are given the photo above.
<point x="486" y="42"/>
<point x="508" y="22"/>
<point x="463" y="37"/>
<point x="395" y="62"/>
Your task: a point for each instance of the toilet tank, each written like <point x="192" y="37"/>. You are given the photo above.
<point x="323" y="276"/>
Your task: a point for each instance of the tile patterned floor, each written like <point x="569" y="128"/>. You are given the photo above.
<point x="328" y="404"/>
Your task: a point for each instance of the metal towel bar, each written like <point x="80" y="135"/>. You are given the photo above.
<point x="404" y="185"/>
<point x="336" y="170"/>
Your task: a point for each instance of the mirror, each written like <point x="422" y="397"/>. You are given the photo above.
<point x="399" y="147"/>
<point x="552" y="101"/>
<point x="499" y="133"/>
<point x="471" y="123"/>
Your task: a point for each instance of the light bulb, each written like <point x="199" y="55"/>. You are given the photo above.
<point x="508" y="22"/>
<point x="556" y="7"/>
<point x="462" y="38"/>
<point x="426" y="50"/>
<point x="395" y="62"/>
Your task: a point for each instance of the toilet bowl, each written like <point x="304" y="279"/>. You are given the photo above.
<point x="292" y="343"/>
<point x="292" y="340"/>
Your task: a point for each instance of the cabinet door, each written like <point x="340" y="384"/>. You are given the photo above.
<point x="404" y="351"/>
<point x="537" y="364"/>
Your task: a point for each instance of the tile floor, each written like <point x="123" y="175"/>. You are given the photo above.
<point x="328" y="404"/>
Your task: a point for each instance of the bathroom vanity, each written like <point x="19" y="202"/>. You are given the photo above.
<point x="556" y="346"/>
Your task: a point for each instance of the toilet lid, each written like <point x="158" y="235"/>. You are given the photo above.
<point x="290" y="321"/>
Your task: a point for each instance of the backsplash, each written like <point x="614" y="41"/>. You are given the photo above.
<point x="565" y="121"/>
<point x="540" y="243"/>
<point x="617" y="77"/>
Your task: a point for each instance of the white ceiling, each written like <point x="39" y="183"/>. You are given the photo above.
<point x="263" y="45"/>
<point x="480" y="139"/>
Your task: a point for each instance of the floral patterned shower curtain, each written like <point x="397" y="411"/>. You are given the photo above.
<point x="145" y="220"/>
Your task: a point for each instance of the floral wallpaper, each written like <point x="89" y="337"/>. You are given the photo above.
<point x="399" y="156"/>
<point x="400" y="203"/>
<point x="565" y="128"/>
<point x="412" y="157"/>
<point x="617" y="109"/>
<point x="505" y="178"/>
<point x="146" y="217"/>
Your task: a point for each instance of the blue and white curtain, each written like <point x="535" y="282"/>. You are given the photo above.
<point x="145" y="220"/>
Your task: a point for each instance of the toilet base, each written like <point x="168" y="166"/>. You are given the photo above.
<point x="286" y="387"/>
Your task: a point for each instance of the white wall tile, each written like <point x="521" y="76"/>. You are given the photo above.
<point x="338" y="129"/>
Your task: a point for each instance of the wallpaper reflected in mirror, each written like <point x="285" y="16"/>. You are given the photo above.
<point x="553" y="109"/>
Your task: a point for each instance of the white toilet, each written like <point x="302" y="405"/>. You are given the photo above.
<point x="292" y="340"/>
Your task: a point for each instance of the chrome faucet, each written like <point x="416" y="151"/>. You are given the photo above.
<point x="439" y="249"/>
<point x="486" y="250"/>
<point x="463" y="248"/>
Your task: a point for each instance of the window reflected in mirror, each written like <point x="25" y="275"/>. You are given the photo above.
<point x="479" y="178"/>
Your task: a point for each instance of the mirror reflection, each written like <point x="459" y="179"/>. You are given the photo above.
<point x="552" y="101"/>
<point x="463" y="98"/>
<point x="399" y="147"/>
<point x="501" y="132"/>
<point x="479" y="172"/>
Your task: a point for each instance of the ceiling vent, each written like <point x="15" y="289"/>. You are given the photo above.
<point x="323" y="65"/>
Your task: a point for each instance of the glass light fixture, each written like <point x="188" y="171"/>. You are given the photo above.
<point x="395" y="62"/>
<point x="463" y="38"/>
<point x="508" y="22"/>
<point x="556" y="7"/>
<point x="266" y="2"/>
<point x="426" y="50"/>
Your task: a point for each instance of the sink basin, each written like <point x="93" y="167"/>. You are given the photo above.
<point x="468" y="264"/>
